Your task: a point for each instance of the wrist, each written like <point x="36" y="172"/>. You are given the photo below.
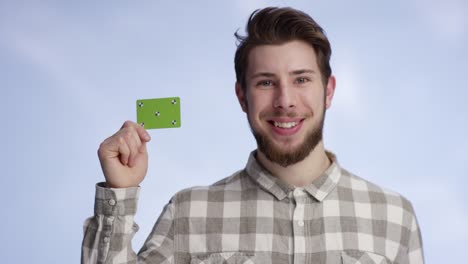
<point x="118" y="186"/>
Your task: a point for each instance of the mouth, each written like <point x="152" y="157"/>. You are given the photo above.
<point x="286" y="127"/>
<point x="284" y="124"/>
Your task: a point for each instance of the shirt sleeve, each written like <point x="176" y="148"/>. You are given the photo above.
<point x="415" y="246"/>
<point x="108" y="234"/>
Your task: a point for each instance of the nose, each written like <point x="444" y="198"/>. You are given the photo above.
<point x="284" y="98"/>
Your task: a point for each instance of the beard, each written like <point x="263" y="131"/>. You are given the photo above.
<point x="286" y="157"/>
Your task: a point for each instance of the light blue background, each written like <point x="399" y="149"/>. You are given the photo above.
<point x="70" y="72"/>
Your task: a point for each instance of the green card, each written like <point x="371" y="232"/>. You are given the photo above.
<point x="158" y="112"/>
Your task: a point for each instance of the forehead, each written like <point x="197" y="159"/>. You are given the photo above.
<point x="287" y="57"/>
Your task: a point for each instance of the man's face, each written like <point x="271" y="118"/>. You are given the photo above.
<point x="285" y="100"/>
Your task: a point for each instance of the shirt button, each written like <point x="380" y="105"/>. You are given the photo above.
<point x="110" y="219"/>
<point x="106" y="240"/>
<point x="112" y="202"/>
<point x="298" y="192"/>
<point x="300" y="223"/>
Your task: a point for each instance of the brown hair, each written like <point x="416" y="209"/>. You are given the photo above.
<point x="275" y="26"/>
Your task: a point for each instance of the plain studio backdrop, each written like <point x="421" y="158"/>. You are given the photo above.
<point x="70" y="72"/>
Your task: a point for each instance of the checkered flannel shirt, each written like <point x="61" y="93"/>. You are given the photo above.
<point x="253" y="217"/>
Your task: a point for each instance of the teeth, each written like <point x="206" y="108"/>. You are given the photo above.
<point x="286" y="125"/>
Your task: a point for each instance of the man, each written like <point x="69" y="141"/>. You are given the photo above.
<point x="292" y="203"/>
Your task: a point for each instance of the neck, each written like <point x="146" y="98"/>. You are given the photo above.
<point x="302" y="173"/>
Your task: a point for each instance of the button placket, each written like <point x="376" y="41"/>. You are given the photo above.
<point x="299" y="197"/>
<point x="111" y="206"/>
<point x="108" y="221"/>
<point x="298" y="226"/>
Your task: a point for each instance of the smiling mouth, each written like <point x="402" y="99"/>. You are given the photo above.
<point x="285" y="125"/>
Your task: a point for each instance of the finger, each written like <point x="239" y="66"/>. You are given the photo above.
<point x="128" y="123"/>
<point x="143" y="148"/>
<point x="124" y="151"/>
<point x="140" y="142"/>
<point x="144" y="135"/>
<point x="109" y="148"/>
<point x="134" y="143"/>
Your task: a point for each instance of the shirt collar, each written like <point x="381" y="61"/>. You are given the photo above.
<point x="319" y="188"/>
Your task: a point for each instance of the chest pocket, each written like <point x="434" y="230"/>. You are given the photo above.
<point x="223" y="258"/>
<point x="363" y="258"/>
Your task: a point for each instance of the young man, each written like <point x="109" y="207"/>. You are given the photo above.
<point x="292" y="203"/>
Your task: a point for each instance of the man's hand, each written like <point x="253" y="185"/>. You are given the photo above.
<point x="123" y="156"/>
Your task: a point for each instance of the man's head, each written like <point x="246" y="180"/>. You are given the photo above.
<point x="284" y="82"/>
<point x="276" y="26"/>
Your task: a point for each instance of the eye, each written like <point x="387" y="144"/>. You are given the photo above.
<point x="301" y="80"/>
<point x="265" y="83"/>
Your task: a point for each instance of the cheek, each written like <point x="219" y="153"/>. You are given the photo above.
<point x="255" y="103"/>
<point x="263" y="98"/>
<point x="315" y="99"/>
<point x="254" y="113"/>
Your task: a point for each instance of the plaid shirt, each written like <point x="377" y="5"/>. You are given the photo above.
<point x="253" y="217"/>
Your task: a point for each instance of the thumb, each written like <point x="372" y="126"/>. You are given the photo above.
<point x="143" y="148"/>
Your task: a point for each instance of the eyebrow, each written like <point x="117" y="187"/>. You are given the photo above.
<point x="295" y="72"/>
<point x="301" y="71"/>
<point x="262" y="74"/>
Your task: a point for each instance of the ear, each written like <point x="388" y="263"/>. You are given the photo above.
<point x="330" y="91"/>
<point x="241" y="97"/>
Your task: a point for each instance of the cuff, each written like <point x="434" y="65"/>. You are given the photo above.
<point x="115" y="201"/>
